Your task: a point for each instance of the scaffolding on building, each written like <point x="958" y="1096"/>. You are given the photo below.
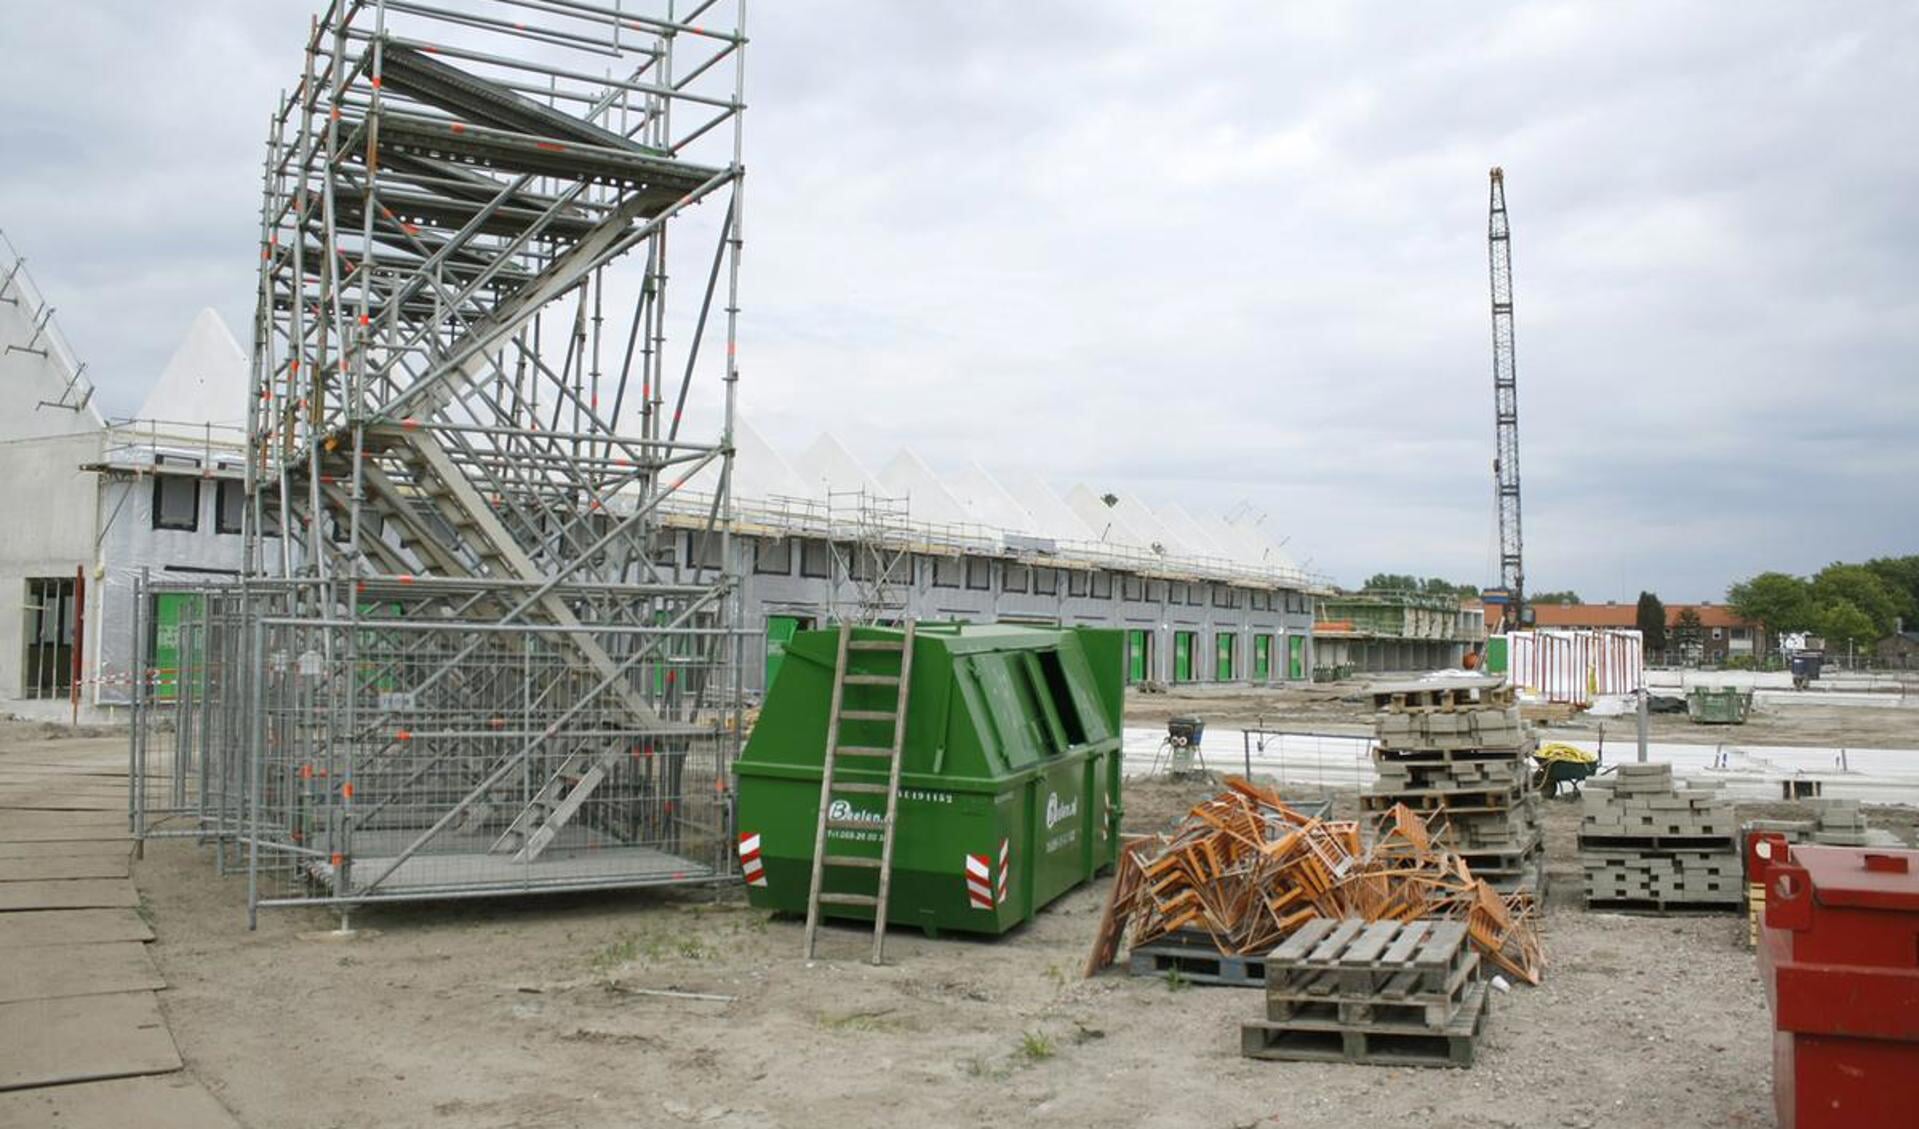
<point x="465" y="659"/>
<point x="872" y="563"/>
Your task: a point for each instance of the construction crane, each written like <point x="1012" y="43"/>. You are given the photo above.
<point x="1512" y="572"/>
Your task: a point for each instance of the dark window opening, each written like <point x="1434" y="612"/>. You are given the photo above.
<point x="1077" y="583"/>
<point x="1045" y="582"/>
<point x="1132" y="588"/>
<point x="773" y="558"/>
<point x="816" y="560"/>
<point x="946" y="572"/>
<point x="979" y="574"/>
<point x="1102" y="586"/>
<point x="1015" y="578"/>
<point x="176" y="497"/>
<point x="229" y="506"/>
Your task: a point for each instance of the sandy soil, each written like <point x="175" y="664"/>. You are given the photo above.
<point x="534" y="1013"/>
<point x="526" y="1014"/>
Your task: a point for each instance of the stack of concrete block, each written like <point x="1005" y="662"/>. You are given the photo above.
<point x="1838" y="823"/>
<point x="1647" y="843"/>
<point x="1466" y="757"/>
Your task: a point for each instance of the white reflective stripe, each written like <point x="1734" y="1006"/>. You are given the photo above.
<point x="1004" y="846"/>
<point x="979" y="896"/>
<point x="749" y="842"/>
<point x="976" y="865"/>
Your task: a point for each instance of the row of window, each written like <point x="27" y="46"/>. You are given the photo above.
<point x="775" y="558"/>
<point x="176" y="499"/>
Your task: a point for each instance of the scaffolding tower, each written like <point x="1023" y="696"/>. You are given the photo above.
<point x="872" y="569"/>
<point x="473" y="659"/>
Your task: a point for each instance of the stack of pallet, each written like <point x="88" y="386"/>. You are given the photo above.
<point x="1646" y="844"/>
<point x="1461" y="752"/>
<point x="1388" y="993"/>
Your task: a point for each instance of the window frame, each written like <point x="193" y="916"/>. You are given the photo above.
<point x="160" y="482"/>
<point x="984" y="571"/>
<point x="825" y="557"/>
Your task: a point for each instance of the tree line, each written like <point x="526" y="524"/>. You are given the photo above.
<point x="1847" y="604"/>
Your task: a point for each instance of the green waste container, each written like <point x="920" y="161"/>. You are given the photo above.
<point x="1009" y="782"/>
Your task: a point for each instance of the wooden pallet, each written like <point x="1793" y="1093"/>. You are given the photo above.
<point x="1443" y="699"/>
<point x="1192" y="956"/>
<point x="1451" y="1046"/>
<point x="1662" y="907"/>
<point x="1458" y="747"/>
<point x="1401" y="959"/>
<point x="1482" y="800"/>
<point x="1704" y="844"/>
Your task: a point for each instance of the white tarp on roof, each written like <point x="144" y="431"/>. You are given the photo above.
<point x="1151" y="530"/>
<point x="1051" y="516"/>
<point x="205" y="382"/>
<point x="927" y="499"/>
<point x="987" y="502"/>
<point x="1192" y="536"/>
<point x="1105" y="521"/>
<point x="827" y="466"/>
<point x="1256" y="548"/>
<point x="759" y="471"/>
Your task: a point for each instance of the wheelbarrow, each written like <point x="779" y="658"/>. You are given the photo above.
<point x="1559" y="765"/>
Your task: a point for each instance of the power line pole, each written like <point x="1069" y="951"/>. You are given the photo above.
<point x="1512" y="572"/>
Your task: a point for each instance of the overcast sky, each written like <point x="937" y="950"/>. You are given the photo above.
<point x="1206" y="253"/>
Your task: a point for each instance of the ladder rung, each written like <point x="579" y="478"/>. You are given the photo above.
<point x="872" y="680"/>
<point x="853" y="860"/>
<point x="849" y="900"/>
<point x="868" y="715"/>
<point x="863" y="751"/>
<point x="862" y="789"/>
<point x="875" y="645"/>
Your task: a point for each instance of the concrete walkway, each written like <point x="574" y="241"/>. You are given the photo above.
<point x="83" y="1043"/>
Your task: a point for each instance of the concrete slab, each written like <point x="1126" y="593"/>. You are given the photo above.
<point x="173" y="1101"/>
<point x="68" y="848"/>
<point x="83" y="1039"/>
<point x="45" y="973"/>
<point x="46" y="869"/>
<point x="73" y="893"/>
<point x="30" y="927"/>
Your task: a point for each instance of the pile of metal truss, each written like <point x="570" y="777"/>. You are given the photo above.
<point x="468" y="658"/>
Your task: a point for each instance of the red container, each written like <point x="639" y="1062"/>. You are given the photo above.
<point x="1840" y="955"/>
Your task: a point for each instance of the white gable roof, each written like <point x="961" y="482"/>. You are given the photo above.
<point x="1051" y="517"/>
<point x="827" y="466"/>
<point x="1105" y="522"/>
<point x="988" y="503"/>
<point x="927" y="499"/>
<point x="205" y="381"/>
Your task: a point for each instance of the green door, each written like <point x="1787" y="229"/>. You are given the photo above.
<point x="1182" y="656"/>
<point x="1223" y="667"/>
<point x="1262" y="658"/>
<point x="779" y="632"/>
<point x="1136" y="656"/>
<point x="1296" y="657"/>
<point x="170" y="609"/>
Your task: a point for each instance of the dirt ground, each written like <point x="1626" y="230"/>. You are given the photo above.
<point x="535" y="1012"/>
<point x="1344" y="708"/>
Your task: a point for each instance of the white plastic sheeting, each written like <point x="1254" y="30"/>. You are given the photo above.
<point x="1576" y="666"/>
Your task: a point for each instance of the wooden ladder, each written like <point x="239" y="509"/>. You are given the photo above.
<point x="900" y="683"/>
